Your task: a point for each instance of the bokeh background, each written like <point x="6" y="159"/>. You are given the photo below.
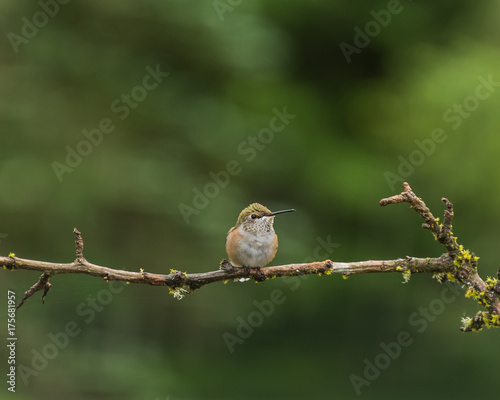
<point x="352" y="141"/>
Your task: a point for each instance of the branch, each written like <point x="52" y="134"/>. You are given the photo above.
<point x="43" y="283"/>
<point x="181" y="282"/>
<point x="78" y="244"/>
<point x="464" y="261"/>
<point x="456" y="265"/>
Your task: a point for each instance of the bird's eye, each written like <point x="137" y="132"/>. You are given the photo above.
<point x="253" y="216"/>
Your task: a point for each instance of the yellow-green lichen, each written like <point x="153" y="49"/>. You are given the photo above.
<point x="406" y="276"/>
<point x="178" y="292"/>
<point x="464" y="257"/>
<point x="491" y="282"/>
<point x="491" y="320"/>
<point x="466" y="323"/>
<point x="472" y="293"/>
<point x="439" y="276"/>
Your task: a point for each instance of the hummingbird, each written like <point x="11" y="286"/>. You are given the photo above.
<point x="252" y="242"/>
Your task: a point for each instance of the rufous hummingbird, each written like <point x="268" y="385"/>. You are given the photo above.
<point x="252" y="242"/>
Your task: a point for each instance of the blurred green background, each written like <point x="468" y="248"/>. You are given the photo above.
<point x="363" y="122"/>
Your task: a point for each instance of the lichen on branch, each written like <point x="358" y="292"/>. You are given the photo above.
<point x="464" y="269"/>
<point x="456" y="265"/>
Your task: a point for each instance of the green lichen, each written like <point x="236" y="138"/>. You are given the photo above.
<point x="406" y="276"/>
<point x="472" y="293"/>
<point x="440" y="276"/>
<point x="491" y="283"/>
<point x="466" y="323"/>
<point x="179" y="292"/>
<point x="464" y="258"/>
<point x="491" y="320"/>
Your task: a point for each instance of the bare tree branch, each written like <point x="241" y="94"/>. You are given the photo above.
<point x="43" y="283"/>
<point x="456" y="265"/>
<point x="78" y="244"/>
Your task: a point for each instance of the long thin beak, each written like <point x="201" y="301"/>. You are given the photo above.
<point x="280" y="212"/>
